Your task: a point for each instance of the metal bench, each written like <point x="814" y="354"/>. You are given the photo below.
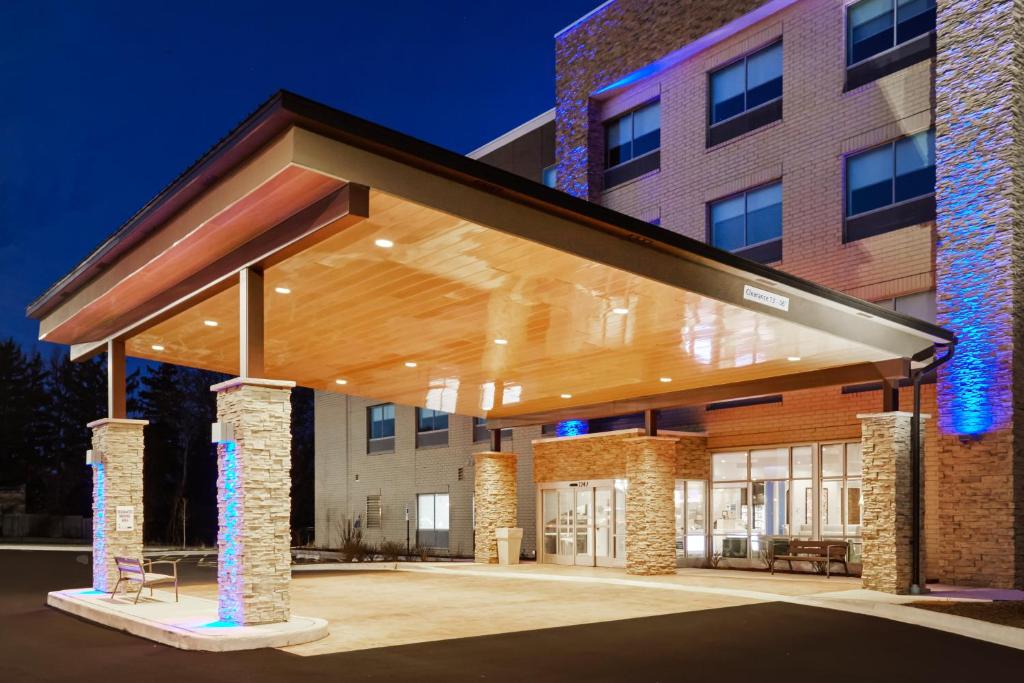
<point x="133" y="570"/>
<point x="816" y="552"/>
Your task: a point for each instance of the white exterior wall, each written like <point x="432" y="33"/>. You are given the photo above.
<point x="340" y="433"/>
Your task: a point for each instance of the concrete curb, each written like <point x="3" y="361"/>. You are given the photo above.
<point x="196" y="630"/>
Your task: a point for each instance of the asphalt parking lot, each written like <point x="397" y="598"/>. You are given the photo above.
<point x="765" y="642"/>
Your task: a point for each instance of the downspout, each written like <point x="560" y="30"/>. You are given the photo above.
<point x="917" y="586"/>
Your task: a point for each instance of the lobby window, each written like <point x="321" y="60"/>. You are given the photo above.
<point x="632" y="144"/>
<point x="745" y="95"/>
<point x="549" y="176"/>
<point x="841" y="499"/>
<point x="432" y="514"/>
<point x="749" y="224"/>
<point x="891" y="186"/>
<point x="380" y="428"/>
<point x="431" y="428"/>
<point x="884" y="36"/>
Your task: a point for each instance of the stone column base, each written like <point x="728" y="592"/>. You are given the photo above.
<point x="650" y="506"/>
<point x="117" y="451"/>
<point x="887" y="517"/>
<point x="494" y="501"/>
<point x="254" y="502"/>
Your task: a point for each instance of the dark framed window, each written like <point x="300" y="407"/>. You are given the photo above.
<point x="745" y="94"/>
<point x="380" y="428"/>
<point x="749" y="223"/>
<point x="431" y="427"/>
<point x="480" y="431"/>
<point x="884" y="36"/>
<point x="890" y="186"/>
<point x="632" y="144"/>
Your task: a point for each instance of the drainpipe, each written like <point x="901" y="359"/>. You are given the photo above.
<point x="917" y="586"/>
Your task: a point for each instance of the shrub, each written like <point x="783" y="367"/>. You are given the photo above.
<point x="351" y="542"/>
<point x="391" y="550"/>
<point x="367" y="552"/>
<point x="423" y="552"/>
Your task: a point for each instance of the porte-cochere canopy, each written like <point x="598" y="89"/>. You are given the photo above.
<point x="400" y="271"/>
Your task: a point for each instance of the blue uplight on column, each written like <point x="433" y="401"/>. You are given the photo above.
<point x="572" y="428"/>
<point x="229" y="579"/>
<point x="99" y="528"/>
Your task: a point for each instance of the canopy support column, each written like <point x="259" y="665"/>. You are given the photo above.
<point x="494" y="501"/>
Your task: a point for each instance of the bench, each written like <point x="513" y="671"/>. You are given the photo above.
<point x="133" y="570"/>
<point x="816" y="552"/>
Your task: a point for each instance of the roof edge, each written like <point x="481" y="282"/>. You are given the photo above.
<point x="513" y="134"/>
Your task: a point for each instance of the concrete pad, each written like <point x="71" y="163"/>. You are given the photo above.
<point x="190" y="624"/>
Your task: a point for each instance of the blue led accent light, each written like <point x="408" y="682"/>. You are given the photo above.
<point x="229" y="575"/>
<point x="974" y="394"/>
<point x="99" y="528"/>
<point x="572" y="428"/>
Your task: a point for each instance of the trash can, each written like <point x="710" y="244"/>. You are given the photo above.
<point x="509" y="542"/>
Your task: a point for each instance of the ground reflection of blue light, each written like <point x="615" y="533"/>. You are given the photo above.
<point x="99" y="528"/>
<point x="229" y="578"/>
<point x="220" y="624"/>
<point x="572" y="428"/>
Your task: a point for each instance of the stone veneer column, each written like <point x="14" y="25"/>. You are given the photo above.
<point x="254" y="502"/>
<point x="887" y="515"/>
<point x="650" y="505"/>
<point x="494" y="501"/>
<point x="979" y="259"/>
<point x="117" y="448"/>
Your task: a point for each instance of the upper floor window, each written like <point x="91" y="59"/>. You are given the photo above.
<point x="549" y="176"/>
<point x="745" y="94"/>
<point x="633" y="134"/>
<point x="380" y="428"/>
<point x="431" y="427"/>
<point x="891" y="186"/>
<point x="884" y="36"/>
<point x="749" y="223"/>
<point x="874" y="26"/>
<point x="632" y="144"/>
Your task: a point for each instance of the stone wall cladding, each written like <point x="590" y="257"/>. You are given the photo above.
<point x="254" y="503"/>
<point x="588" y="457"/>
<point x="117" y="447"/>
<point x="615" y="41"/>
<point x="346" y="474"/>
<point x="650" y="505"/>
<point x="692" y="458"/>
<point x="887" y="512"/>
<point x="494" y="500"/>
<point x="979" y="196"/>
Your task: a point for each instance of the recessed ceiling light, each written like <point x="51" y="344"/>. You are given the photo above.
<point x="793" y="358"/>
<point x="384" y="244"/>
<point x="211" y="323"/>
<point x="619" y="310"/>
<point x="157" y="347"/>
<point x="410" y="364"/>
<point x="282" y="290"/>
<point x="566" y="395"/>
<point x="341" y="381"/>
<point x="501" y="342"/>
<point x="666" y="380"/>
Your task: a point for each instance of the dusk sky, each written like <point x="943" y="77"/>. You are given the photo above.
<point x="104" y="103"/>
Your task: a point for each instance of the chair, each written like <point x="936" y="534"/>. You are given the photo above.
<point x="133" y="570"/>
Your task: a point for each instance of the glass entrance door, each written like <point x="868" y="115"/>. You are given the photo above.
<point x="691" y="523"/>
<point x="581" y="524"/>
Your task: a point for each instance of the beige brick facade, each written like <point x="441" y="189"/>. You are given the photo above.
<point x="346" y="474"/>
<point x="254" y="502"/>
<point x="117" y="451"/>
<point x="494" y="500"/>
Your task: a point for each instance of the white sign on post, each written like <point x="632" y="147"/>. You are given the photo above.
<point x="125" y="518"/>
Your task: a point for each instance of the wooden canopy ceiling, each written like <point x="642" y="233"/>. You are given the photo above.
<point x="490" y="295"/>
